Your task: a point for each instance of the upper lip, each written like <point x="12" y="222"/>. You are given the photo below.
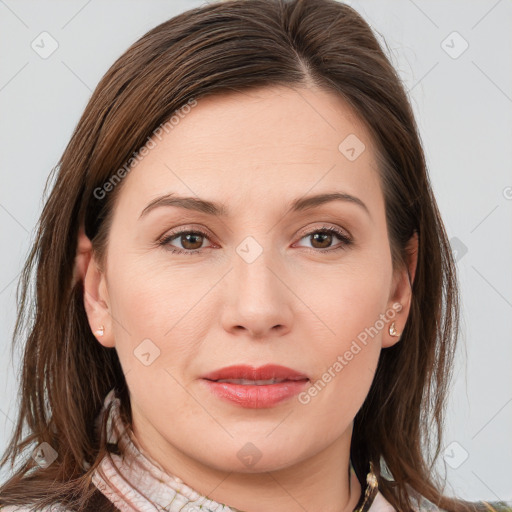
<point x="269" y="371"/>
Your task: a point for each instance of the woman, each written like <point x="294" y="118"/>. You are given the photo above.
<point x="245" y="296"/>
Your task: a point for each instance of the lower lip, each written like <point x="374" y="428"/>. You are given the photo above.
<point x="256" y="397"/>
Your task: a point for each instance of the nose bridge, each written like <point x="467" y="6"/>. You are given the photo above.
<point x="253" y="264"/>
<point x="258" y="296"/>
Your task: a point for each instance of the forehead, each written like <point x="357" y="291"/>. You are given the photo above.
<point x="258" y="146"/>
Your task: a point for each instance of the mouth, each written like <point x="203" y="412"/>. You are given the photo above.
<point x="248" y="375"/>
<point x="248" y="382"/>
<point x="255" y="388"/>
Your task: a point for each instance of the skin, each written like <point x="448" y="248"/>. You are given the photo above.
<point x="297" y="304"/>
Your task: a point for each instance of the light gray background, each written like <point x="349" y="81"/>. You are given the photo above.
<point x="463" y="104"/>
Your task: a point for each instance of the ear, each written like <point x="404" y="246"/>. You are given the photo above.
<point x="96" y="301"/>
<point x="401" y="293"/>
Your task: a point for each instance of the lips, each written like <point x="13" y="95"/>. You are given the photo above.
<point x="255" y="388"/>
<point x="247" y="382"/>
<point x="244" y="374"/>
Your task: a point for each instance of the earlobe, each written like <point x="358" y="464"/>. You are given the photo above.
<point x="95" y="292"/>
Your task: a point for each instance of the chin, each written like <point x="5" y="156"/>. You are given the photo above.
<point x="250" y="458"/>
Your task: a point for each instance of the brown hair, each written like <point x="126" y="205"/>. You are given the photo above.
<point x="222" y="47"/>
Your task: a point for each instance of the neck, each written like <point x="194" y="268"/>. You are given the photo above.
<point x="320" y="483"/>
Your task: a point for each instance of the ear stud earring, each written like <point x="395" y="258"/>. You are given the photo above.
<point x="101" y="331"/>
<point x="392" y="330"/>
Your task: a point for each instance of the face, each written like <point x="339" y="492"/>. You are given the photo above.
<point x="184" y="292"/>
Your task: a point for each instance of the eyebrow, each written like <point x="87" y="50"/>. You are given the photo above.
<point x="220" y="210"/>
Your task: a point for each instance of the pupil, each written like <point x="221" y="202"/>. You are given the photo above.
<point x="326" y="236"/>
<point x="188" y="241"/>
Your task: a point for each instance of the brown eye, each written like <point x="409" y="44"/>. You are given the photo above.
<point x="191" y="241"/>
<point x="321" y="240"/>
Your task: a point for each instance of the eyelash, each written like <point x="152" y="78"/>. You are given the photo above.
<point x="165" y="241"/>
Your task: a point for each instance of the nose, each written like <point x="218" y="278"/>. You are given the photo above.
<point x="258" y="299"/>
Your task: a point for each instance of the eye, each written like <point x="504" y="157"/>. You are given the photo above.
<point x="323" y="237"/>
<point x="191" y="240"/>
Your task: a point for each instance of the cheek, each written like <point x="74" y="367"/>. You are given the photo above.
<point x="348" y="329"/>
<point x="346" y="300"/>
<point x="153" y="296"/>
<point x="346" y="368"/>
<point x="146" y="305"/>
